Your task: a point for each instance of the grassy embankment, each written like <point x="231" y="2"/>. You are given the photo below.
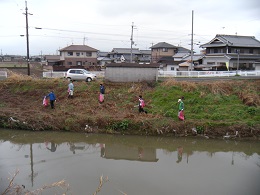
<point x="213" y="108"/>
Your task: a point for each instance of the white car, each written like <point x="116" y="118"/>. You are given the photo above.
<point x="80" y="75"/>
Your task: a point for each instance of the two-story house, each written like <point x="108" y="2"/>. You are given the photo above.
<point x="119" y="55"/>
<point x="161" y="50"/>
<point x="78" y="56"/>
<point x="233" y="52"/>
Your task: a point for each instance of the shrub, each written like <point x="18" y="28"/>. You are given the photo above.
<point x="122" y="125"/>
<point x="251" y="110"/>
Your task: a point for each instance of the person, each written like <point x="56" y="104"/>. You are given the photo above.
<point x="102" y="93"/>
<point x="180" y="150"/>
<point x="53" y="147"/>
<point x="45" y="101"/>
<point x="52" y="97"/>
<point x="181" y="109"/>
<point x="102" y="154"/>
<point x="71" y="89"/>
<point x="141" y="105"/>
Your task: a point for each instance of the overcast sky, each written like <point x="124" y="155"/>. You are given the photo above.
<point x="106" y="24"/>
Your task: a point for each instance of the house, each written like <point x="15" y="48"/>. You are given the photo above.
<point x="131" y="72"/>
<point x="103" y="58"/>
<point x="196" y="60"/>
<point x="77" y="56"/>
<point x="52" y="60"/>
<point x="162" y="49"/>
<point x="232" y="52"/>
<point x="119" y="55"/>
<point x="145" y="56"/>
<point x="171" y="62"/>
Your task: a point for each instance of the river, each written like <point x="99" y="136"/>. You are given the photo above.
<point x="135" y="165"/>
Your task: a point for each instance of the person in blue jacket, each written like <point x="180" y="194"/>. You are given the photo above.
<point x="52" y="97"/>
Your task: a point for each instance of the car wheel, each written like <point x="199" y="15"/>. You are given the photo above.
<point x="88" y="79"/>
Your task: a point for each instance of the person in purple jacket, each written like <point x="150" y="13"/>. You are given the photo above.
<point x="52" y="98"/>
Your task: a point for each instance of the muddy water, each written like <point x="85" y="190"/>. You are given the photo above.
<point x="133" y="164"/>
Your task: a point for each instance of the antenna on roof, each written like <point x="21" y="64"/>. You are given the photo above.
<point x="84" y="39"/>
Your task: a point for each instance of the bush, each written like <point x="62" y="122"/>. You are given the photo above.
<point x="251" y="110"/>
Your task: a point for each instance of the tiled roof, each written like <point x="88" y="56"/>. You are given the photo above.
<point x="163" y="45"/>
<point x="180" y="55"/>
<point x="125" y="51"/>
<point x="232" y="40"/>
<point x="182" y="50"/>
<point x="78" y="48"/>
<point x="52" y="57"/>
<point x="194" y="57"/>
<point x="149" y="52"/>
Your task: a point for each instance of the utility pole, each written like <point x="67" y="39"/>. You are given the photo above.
<point x="27" y="38"/>
<point x="131" y="59"/>
<point x="191" y="58"/>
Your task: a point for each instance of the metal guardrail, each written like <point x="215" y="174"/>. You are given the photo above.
<point x="207" y="73"/>
<point x="101" y="74"/>
<point x="51" y="74"/>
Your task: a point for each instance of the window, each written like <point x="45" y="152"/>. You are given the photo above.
<point x="77" y="54"/>
<point x="165" y="49"/>
<point x="229" y="50"/>
<point x="69" y="63"/>
<point x="251" y="51"/>
<point x="79" y="63"/>
<point x="215" y="50"/>
<point x="88" y="54"/>
<point x="70" y="53"/>
<point x="172" y="68"/>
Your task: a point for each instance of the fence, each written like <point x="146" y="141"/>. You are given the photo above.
<point x="100" y="74"/>
<point x="52" y="74"/>
<point x="207" y="73"/>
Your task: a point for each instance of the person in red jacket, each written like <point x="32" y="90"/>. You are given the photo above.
<point x="141" y="105"/>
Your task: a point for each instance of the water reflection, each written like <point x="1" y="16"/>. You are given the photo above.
<point x="139" y="165"/>
<point x="53" y="146"/>
<point x="131" y="153"/>
<point x="74" y="147"/>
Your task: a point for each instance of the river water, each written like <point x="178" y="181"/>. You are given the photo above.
<point x="133" y="165"/>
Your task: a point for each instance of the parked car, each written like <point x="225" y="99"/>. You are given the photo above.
<point x="80" y="75"/>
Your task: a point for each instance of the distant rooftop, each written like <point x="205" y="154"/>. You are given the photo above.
<point x="78" y="48"/>
<point x="232" y="40"/>
<point x="163" y="45"/>
<point x="125" y="51"/>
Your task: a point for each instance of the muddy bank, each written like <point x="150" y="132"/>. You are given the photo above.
<point x="21" y="108"/>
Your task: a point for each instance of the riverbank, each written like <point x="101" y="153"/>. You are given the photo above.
<point x="212" y="108"/>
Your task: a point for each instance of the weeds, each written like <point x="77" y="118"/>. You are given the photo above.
<point x="14" y="189"/>
<point x="122" y="125"/>
<point x="209" y="103"/>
